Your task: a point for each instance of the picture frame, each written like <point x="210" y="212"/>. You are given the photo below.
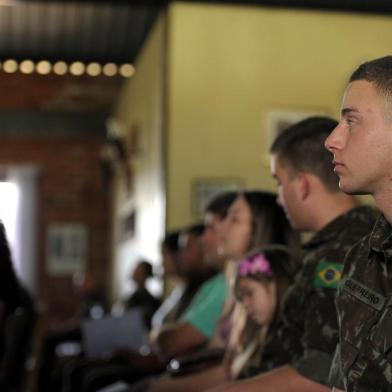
<point x="66" y="248"/>
<point x="206" y="189"/>
<point x="128" y="225"/>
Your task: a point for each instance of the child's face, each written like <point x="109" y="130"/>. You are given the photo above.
<point x="258" y="299"/>
<point x="237" y="229"/>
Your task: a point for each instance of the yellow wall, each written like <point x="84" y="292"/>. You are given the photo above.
<point x="141" y="104"/>
<point x="229" y="66"/>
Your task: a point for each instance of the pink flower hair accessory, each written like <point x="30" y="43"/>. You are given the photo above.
<point x="254" y="264"/>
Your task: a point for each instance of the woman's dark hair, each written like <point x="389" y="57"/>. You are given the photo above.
<point x="220" y="205"/>
<point x="269" y="223"/>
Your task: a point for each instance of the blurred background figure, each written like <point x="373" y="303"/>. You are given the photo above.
<point x="141" y="298"/>
<point x="169" y="252"/>
<point x="185" y="271"/>
<point x="16" y="323"/>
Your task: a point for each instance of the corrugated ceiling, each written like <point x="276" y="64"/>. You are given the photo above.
<point x="70" y="30"/>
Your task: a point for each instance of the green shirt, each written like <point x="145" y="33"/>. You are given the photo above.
<point x="206" y="306"/>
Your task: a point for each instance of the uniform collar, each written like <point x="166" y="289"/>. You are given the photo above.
<point x="381" y="237"/>
<point x="329" y="231"/>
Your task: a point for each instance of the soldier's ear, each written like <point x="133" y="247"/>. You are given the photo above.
<point x="303" y="185"/>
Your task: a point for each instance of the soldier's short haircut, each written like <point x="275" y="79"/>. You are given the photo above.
<point x="378" y="72"/>
<point x="301" y="148"/>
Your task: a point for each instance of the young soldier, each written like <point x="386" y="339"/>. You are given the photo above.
<point x="362" y="155"/>
<point x="299" y="355"/>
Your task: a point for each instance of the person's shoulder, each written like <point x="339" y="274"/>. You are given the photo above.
<point x="357" y="256"/>
<point x="355" y="228"/>
<point x="211" y="285"/>
<point x="359" y="222"/>
<point x="216" y="282"/>
<point x="324" y="265"/>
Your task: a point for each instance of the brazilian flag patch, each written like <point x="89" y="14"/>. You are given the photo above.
<point x="328" y="274"/>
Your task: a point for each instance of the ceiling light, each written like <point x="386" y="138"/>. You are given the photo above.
<point x="94" y="69"/>
<point x="60" y="68"/>
<point x="110" y="69"/>
<point x="77" y="68"/>
<point x="43" y="67"/>
<point x="127" y="70"/>
<point x="26" y="67"/>
<point x="10" y="66"/>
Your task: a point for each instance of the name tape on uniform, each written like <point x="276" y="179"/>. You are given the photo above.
<point x="363" y="293"/>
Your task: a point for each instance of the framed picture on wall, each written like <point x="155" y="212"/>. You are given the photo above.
<point x="205" y="189"/>
<point x="128" y="225"/>
<point x="66" y="248"/>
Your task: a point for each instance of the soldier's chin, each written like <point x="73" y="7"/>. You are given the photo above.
<point x="350" y="189"/>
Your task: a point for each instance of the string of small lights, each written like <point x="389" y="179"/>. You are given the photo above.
<point x="76" y="68"/>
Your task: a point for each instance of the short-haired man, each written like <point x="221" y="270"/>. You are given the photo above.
<point x="299" y="354"/>
<point x="362" y="154"/>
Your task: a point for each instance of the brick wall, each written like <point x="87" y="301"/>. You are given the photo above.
<point x="71" y="187"/>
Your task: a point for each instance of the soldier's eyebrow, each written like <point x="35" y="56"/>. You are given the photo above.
<point x="346" y="111"/>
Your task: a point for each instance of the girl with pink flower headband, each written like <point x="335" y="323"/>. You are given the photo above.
<point x="261" y="281"/>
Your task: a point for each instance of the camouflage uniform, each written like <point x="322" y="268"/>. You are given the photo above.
<point x="364" y="304"/>
<point x="308" y="335"/>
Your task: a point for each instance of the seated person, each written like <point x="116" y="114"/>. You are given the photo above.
<point x="9" y="286"/>
<point x="18" y="331"/>
<point x="182" y="266"/>
<point x="17" y="320"/>
<point x="197" y="323"/>
<point x="173" y="283"/>
<point x="141" y="298"/>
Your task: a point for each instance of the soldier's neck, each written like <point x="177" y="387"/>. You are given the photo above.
<point x="332" y="208"/>
<point x="383" y="203"/>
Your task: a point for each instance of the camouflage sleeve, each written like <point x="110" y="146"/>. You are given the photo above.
<point x="320" y="337"/>
<point x="335" y="373"/>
